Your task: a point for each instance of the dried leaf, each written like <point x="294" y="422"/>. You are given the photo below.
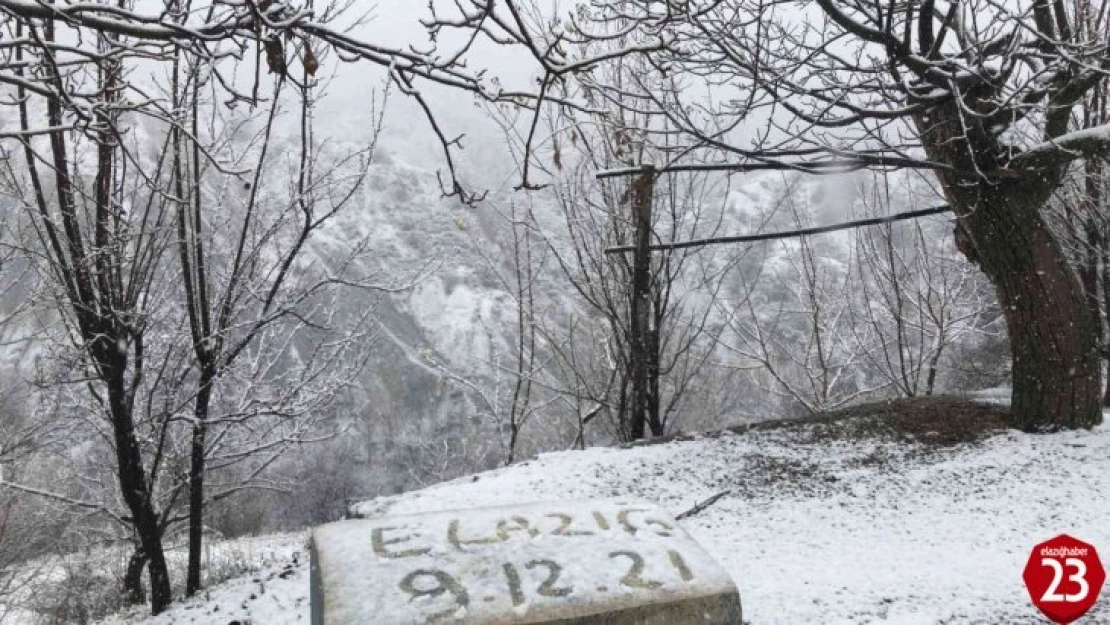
<point x="310" y="62"/>
<point x="275" y="56"/>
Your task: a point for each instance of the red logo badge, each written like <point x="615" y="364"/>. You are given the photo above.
<point x="1064" y="576"/>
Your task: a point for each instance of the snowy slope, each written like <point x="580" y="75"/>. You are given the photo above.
<point x="814" y="531"/>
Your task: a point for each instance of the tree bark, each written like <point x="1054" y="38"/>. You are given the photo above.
<point x="1057" y="379"/>
<point x="1053" y="335"/>
<point x="934" y="364"/>
<point x="1089" y="278"/>
<point x="196" y="484"/>
<point x="135" y="490"/>
<point x="1091" y="220"/>
<point x="133" y="591"/>
<point x="1106" y="302"/>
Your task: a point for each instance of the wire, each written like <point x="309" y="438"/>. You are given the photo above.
<point x="748" y="238"/>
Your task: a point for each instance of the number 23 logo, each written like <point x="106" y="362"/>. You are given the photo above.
<point x="1052" y="593"/>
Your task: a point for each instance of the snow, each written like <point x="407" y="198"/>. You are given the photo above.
<point x="813" y="530"/>
<point x="997" y="395"/>
<point x="277" y="592"/>
<point x="1089" y="141"/>
<point x="543" y="561"/>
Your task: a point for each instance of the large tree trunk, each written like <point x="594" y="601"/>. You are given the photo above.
<point x="1053" y="335"/>
<point x="1057" y="380"/>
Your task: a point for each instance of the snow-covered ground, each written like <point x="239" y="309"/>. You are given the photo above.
<point x="814" y="530"/>
<point x="277" y="593"/>
<point x="72" y="584"/>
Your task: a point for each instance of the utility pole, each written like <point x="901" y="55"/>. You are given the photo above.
<point x="643" y="361"/>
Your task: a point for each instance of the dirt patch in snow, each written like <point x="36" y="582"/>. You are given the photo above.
<point x="932" y="421"/>
<point x="762" y="471"/>
<point x="937" y="421"/>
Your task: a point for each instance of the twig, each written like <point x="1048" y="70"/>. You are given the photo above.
<point x="703" y="505"/>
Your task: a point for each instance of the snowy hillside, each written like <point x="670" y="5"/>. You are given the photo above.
<point x="828" y="523"/>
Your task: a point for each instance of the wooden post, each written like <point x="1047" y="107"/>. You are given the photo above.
<point x="640" y="195"/>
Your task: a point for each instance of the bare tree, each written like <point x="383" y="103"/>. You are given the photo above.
<point x="791" y="312"/>
<point x="834" y="318"/>
<point x="505" y="381"/>
<point x="234" y="293"/>
<point x="103" y="270"/>
<point x="115" y="202"/>
<point x="979" y="92"/>
<point x="917" y="299"/>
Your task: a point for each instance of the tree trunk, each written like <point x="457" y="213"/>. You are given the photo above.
<point x="1092" y="221"/>
<point x="136" y="493"/>
<point x="934" y="363"/>
<point x="1106" y="303"/>
<point x="196" y="484"/>
<point x="1057" y="380"/>
<point x="1053" y="336"/>
<point x="514" y="433"/>
<point x="133" y="591"/>
<point x="1089" y="277"/>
